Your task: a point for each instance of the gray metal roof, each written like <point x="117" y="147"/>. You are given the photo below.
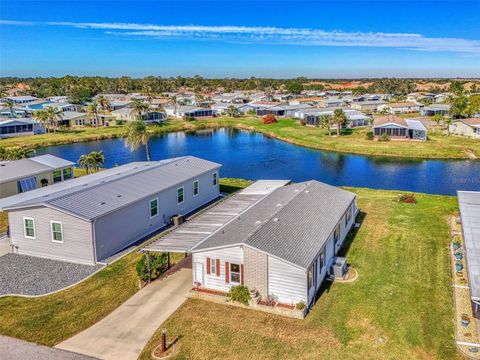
<point x="415" y="125"/>
<point x="123" y="186"/>
<point x="19" y="169"/>
<point x="469" y="203"/>
<point x="191" y="233"/>
<point x="291" y="223"/>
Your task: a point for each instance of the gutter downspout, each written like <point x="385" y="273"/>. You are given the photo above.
<point x="94" y="243"/>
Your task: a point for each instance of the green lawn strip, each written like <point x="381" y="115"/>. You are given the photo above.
<point x="399" y="308"/>
<point x="439" y="146"/>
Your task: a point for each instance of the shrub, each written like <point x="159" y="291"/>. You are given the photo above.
<point x="189" y="118"/>
<point x="369" y="135"/>
<point x="407" y="199"/>
<point x="158" y="264"/>
<point x="239" y="294"/>
<point x="269" y="119"/>
<point x="302" y="122"/>
<point x="300" y="305"/>
<point x="120" y="122"/>
<point x="384" y="137"/>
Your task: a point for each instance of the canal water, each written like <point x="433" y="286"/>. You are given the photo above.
<point x="253" y="156"/>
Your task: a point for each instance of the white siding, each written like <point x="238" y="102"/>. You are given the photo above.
<point x="286" y="282"/>
<point x="230" y="255"/>
<point x="77" y="243"/>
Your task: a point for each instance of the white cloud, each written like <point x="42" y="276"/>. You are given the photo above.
<point x="278" y="35"/>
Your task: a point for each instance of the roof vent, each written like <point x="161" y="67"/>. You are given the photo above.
<point x="279" y="204"/>
<point x="275" y="219"/>
<point x="258" y="222"/>
<point x="307" y="191"/>
<point x="102" y="203"/>
<point x="119" y="195"/>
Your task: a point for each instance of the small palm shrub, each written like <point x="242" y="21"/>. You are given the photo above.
<point x="158" y="265"/>
<point x="369" y="135"/>
<point x="384" y="137"/>
<point x="239" y="294"/>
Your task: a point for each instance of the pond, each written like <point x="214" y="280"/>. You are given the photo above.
<point x="253" y="156"/>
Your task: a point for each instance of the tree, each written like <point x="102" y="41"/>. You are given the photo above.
<point x="173" y="101"/>
<point x="458" y="106"/>
<point x="97" y="159"/>
<point x="339" y="119"/>
<point x="456" y="87"/>
<point x="80" y="95"/>
<point x="325" y="122"/>
<point x="15" y="153"/>
<point x="10" y="105"/>
<point x="103" y="102"/>
<point x="438" y="118"/>
<point x="138" y="108"/>
<point x="53" y="116"/>
<point x="232" y="111"/>
<point x="447" y="121"/>
<point x="294" y="87"/>
<point x="92" y="111"/>
<point x="136" y="134"/>
<point x="42" y="117"/>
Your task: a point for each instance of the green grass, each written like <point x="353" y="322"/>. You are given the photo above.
<point x="402" y="296"/>
<point x="229" y="185"/>
<point x="438" y="146"/>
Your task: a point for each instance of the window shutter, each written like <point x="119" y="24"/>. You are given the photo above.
<point x="217" y="267"/>
<point x="241" y="274"/>
<point x="208" y="266"/>
<point x="227" y="272"/>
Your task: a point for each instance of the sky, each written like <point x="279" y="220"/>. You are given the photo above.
<point x="216" y="39"/>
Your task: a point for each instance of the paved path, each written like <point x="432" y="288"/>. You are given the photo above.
<point x="14" y="349"/>
<point x="4" y="244"/>
<point x="123" y="334"/>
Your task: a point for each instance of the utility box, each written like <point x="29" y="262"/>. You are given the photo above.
<point x="339" y="267"/>
<point x="177" y="220"/>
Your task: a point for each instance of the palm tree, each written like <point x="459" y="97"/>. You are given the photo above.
<point x="97" y="159"/>
<point x="447" y="121"/>
<point x="173" y="101"/>
<point x="138" y="108"/>
<point x="53" y="116"/>
<point x="136" y="134"/>
<point x="325" y="121"/>
<point x="232" y="111"/>
<point x="10" y="105"/>
<point x="340" y="119"/>
<point x="84" y="162"/>
<point x="103" y="102"/>
<point x="42" y="117"/>
<point x="92" y="111"/>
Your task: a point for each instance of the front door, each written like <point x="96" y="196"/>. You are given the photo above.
<point x="199" y="273"/>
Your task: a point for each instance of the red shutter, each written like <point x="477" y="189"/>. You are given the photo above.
<point x="227" y="272"/>
<point x="208" y="266"/>
<point x="217" y="267"/>
<point x="241" y="273"/>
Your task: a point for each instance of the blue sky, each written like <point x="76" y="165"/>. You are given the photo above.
<point x="325" y="39"/>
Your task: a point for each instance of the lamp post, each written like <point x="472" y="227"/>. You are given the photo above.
<point x="164" y="340"/>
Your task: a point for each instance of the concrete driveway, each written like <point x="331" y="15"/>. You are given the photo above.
<point x="4" y="244"/>
<point x="124" y="333"/>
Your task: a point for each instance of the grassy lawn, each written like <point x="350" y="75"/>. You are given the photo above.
<point x="438" y="146"/>
<point x="53" y="318"/>
<point x="399" y="308"/>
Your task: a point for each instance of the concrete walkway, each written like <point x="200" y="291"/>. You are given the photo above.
<point x="124" y="333"/>
<point x="4" y="244"/>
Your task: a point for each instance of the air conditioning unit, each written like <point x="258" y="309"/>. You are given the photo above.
<point x="177" y="220"/>
<point x="339" y="267"/>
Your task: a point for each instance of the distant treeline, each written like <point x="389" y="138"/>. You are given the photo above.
<point x="88" y="86"/>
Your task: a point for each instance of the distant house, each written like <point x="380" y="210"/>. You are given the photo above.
<point x="73" y="118"/>
<point x="313" y="100"/>
<point x="12" y="127"/>
<point x="312" y="116"/>
<point x="221" y="108"/>
<point x="282" y="110"/>
<point x="150" y="116"/>
<point x="466" y="127"/>
<point x="400" y="108"/>
<point x="398" y="128"/>
<point x="186" y="110"/>
<point x="334" y="102"/>
<point x="435" y="109"/>
<point x="65" y="106"/>
<point x="280" y="241"/>
<point x="19" y="99"/>
<point x="93" y="217"/>
<point x="368" y="106"/>
<point x="23" y="175"/>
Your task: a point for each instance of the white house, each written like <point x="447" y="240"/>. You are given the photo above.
<point x="466" y="127"/>
<point x="12" y="127"/>
<point x="400" y="108"/>
<point x="187" y="110"/>
<point x="19" y="99"/>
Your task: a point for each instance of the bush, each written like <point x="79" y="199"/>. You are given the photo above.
<point x="269" y="119"/>
<point x="369" y="135"/>
<point x="300" y="305"/>
<point x="158" y="265"/>
<point x="239" y="294"/>
<point x="384" y="137"/>
<point x="120" y="122"/>
<point x="407" y="199"/>
<point x="188" y="118"/>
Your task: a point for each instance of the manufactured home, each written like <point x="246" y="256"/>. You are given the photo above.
<point x="466" y="127"/>
<point x="397" y="128"/>
<point x="95" y="216"/>
<point x="13" y="127"/>
<point x="274" y="237"/>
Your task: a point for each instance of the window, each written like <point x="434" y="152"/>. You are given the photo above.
<point x="195" y="187"/>
<point x="29" y="227"/>
<point x="153" y="208"/>
<point x="213" y="266"/>
<point x="57" y="231"/>
<point x="215" y="179"/>
<point x="322" y="259"/>
<point x="57" y="176"/>
<point x="180" y="195"/>
<point x="26" y="184"/>
<point x="309" y="278"/>
<point x="235" y="273"/>
<point x="67" y="173"/>
<point x="336" y="235"/>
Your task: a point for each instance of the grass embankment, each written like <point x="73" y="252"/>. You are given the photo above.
<point x="399" y="308"/>
<point x="438" y="146"/>
<point x="53" y="318"/>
